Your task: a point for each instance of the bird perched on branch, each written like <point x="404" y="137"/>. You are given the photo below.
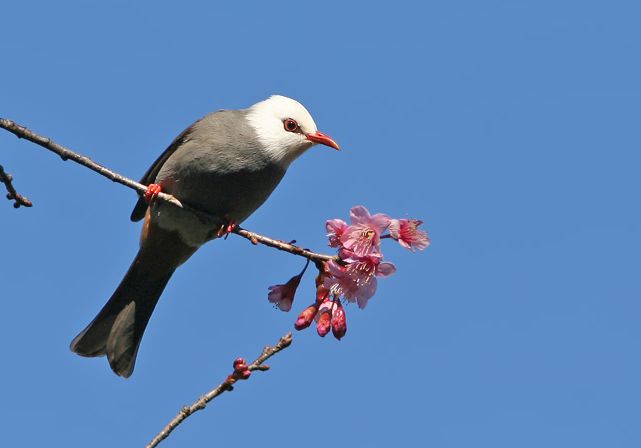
<point x="226" y="165"/>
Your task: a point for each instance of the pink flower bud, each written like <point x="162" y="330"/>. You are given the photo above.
<point x="245" y="374"/>
<point x="322" y="293"/>
<point x="339" y="321"/>
<point x="306" y="317"/>
<point x="323" y="324"/>
<point x="320" y="278"/>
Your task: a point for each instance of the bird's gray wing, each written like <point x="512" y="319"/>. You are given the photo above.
<point x="141" y="206"/>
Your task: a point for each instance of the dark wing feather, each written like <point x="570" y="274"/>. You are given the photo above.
<point x="141" y="206"/>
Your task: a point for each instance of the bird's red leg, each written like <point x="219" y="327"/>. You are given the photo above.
<point x="152" y="192"/>
<point x="226" y="229"/>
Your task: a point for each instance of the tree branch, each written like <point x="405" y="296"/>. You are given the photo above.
<point x="68" y="154"/>
<point x="281" y="245"/>
<point x="225" y="386"/>
<point x="12" y="194"/>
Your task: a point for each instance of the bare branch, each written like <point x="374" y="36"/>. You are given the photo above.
<point x="68" y="154"/>
<point x="281" y="245"/>
<point x="12" y="194"/>
<point x="225" y="386"/>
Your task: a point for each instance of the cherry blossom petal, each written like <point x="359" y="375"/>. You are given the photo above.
<point x="358" y="214"/>
<point x="380" y="222"/>
<point x="365" y="292"/>
<point x="283" y="295"/>
<point x="385" y="269"/>
<point x="408" y="235"/>
<point x="335" y="229"/>
<point x="395" y="228"/>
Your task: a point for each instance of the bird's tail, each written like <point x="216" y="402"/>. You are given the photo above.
<point x="118" y="328"/>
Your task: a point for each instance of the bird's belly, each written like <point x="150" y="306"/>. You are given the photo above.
<point x="231" y="197"/>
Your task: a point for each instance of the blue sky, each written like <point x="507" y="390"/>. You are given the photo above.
<point x="510" y="127"/>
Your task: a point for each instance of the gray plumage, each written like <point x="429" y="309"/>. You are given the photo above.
<point x="217" y="166"/>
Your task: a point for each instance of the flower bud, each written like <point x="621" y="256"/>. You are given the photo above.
<point x="323" y="324"/>
<point x="321" y="275"/>
<point x="306" y="317"/>
<point x="239" y="361"/>
<point x="339" y="321"/>
<point x="322" y="291"/>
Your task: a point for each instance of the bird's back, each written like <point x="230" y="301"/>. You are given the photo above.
<point x="221" y="168"/>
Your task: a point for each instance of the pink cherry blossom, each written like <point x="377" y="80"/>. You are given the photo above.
<point x="363" y="236"/>
<point x="335" y="229"/>
<point x="283" y="295"/>
<point x="357" y="280"/>
<point x="406" y="232"/>
<point x="352" y="275"/>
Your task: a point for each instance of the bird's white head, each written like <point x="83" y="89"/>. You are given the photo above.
<point x="285" y="128"/>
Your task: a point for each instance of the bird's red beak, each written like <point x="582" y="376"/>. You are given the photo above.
<point x="323" y="139"/>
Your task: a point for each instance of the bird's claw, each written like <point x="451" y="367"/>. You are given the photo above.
<point x="152" y="192"/>
<point x="226" y="229"/>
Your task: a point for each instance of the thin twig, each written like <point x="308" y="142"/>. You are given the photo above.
<point x="68" y="154"/>
<point x="225" y="386"/>
<point x="12" y="194"/>
<point x="281" y="245"/>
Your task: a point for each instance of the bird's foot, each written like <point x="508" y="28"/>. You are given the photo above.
<point x="152" y="192"/>
<point x="226" y="229"/>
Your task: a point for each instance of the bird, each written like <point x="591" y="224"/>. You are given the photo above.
<point x="226" y="165"/>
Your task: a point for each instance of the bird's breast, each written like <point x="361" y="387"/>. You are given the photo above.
<point x="228" y="194"/>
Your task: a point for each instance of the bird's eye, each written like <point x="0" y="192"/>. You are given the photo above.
<point x="290" y="125"/>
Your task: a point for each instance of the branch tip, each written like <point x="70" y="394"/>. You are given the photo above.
<point x="225" y="386"/>
<point x="12" y="194"/>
